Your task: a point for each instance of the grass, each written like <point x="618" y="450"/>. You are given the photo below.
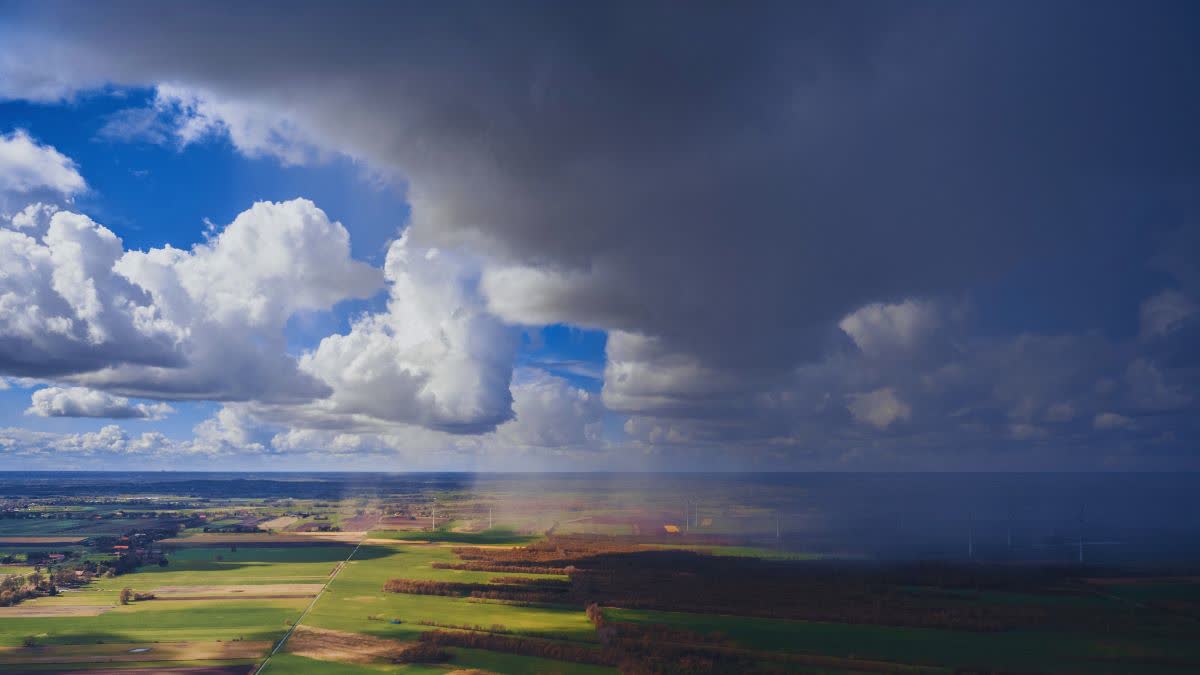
<point x="1007" y="598"/>
<point x="163" y="620"/>
<point x="146" y="666"/>
<point x="134" y="653"/>
<point x="231" y="539"/>
<point x="519" y="665"/>
<point x="494" y="536"/>
<point x="16" y="527"/>
<point x="357" y="594"/>
<point x="1025" y="650"/>
<point x="201" y="567"/>
<point x="750" y="633"/>
<point x="39" y="541"/>
<point x="595" y="528"/>
<point x="355" y="601"/>
<point x="292" y="664"/>
<point x="259" y="554"/>
<point x="742" y="551"/>
<point x="416" y="562"/>
<point x="1149" y="592"/>
<point x="73" y="527"/>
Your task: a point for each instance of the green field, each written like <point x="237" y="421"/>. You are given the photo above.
<point x="1016" y="650"/>
<point x="1150" y="592"/>
<point x="171" y="620"/>
<point x="444" y="535"/>
<point x="354" y="602"/>
<point x="15" y="570"/>
<point x="201" y="567"/>
<point x="356" y="596"/>
<point x="511" y="664"/>
<point x="81" y="527"/>
<point x="147" y="666"/>
<point x="492" y="662"/>
<point x="221" y="593"/>
<point x="161" y="620"/>
<point x="742" y="551"/>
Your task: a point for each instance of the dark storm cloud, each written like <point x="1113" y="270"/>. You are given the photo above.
<point x="949" y="399"/>
<point x="710" y="170"/>
<point x="719" y="185"/>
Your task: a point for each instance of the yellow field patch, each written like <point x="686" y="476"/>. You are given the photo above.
<point x="127" y="652"/>
<point x="280" y="523"/>
<point x="41" y="540"/>
<point x="236" y="591"/>
<point x="262" y="538"/>
<point x="334" y="645"/>
<point x="30" y="611"/>
<point x="15" y="570"/>
<point x="352" y="536"/>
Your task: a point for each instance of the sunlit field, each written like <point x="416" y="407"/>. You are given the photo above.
<point x="740" y="581"/>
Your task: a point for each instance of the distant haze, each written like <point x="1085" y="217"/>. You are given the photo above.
<point x="1138" y="518"/>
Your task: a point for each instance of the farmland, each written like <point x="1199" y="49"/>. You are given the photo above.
<point x="573" y="577"/>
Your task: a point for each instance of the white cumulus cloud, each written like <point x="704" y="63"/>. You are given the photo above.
<point x="84" y="402"/>
<point x="550" y="412"/>
<point x="232" y="297"/>
<point x="881" y="328"/>
<point x="1163" y="313"/>
<point x="880" y="408"/>
<point x="435" y="358"/>
<point x="109" y="440"/>
<point x="27" y="166"/>
<point x="64" y="310"/>
<point x="1110" y="420"/>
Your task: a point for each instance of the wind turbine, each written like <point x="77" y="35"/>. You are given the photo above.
<point x="1080" y="534"/>
<point x="971" y="534"/>
<point x="1010" y="525"/>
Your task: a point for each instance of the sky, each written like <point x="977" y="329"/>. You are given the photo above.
<point x="600" y="236"/>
